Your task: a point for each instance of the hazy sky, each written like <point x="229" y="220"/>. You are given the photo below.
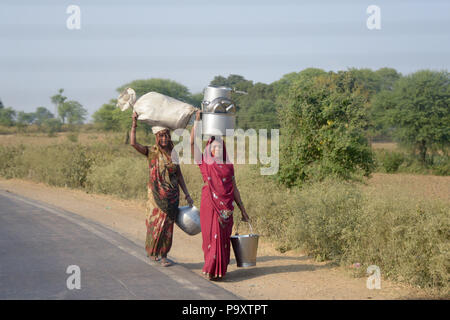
<point x="193" y="41"/>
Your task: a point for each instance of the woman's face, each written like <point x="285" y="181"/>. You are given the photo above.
<point x="216" y="150"/>
<point x="164" y="138"/>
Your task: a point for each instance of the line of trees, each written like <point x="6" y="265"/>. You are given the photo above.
<point x="69" y="112"/>
<point x="330" y="117"/>
<point x="351" y="108"/>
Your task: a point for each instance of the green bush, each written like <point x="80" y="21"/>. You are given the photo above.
<point x="322" y="130"/>
<point x="324" y="214"/>
<point x="72" y="137"/>
<point x="390" y="161"/>
<point x="124" y="177"/>
<point x="51" y="126"/>
<point x="11" y="161"/>
<point x="58" y="165"/>
<point x="441" y="166"/>
<point x="407" y="239"/>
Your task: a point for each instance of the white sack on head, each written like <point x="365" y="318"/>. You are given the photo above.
<point x="126" y="99"/>
<point x="160" y="110"/>
<point x="157" y="129"/>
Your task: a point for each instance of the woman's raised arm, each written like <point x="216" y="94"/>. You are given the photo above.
<point x="140" y="148"/>
<point x="194" y="148"/>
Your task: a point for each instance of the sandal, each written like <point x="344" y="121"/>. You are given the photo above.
<point x="154" y="258"/>
<point x="165" y="262"/>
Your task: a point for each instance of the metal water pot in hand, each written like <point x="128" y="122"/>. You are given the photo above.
<point x="245" y="247"/>
<point x="188" y="219"/>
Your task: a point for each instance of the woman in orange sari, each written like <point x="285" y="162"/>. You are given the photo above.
<point x="163" y="192"/>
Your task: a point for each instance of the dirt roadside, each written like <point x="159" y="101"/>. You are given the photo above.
<point x="277" y="276"/>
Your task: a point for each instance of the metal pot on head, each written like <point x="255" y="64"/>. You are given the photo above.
<point x="219" y="111"/>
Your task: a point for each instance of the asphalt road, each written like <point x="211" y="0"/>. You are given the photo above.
<point x="38" y="242"/>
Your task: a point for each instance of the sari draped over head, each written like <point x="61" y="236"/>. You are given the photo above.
<point x="162" y="203"/>
<point x="216" y="211"/>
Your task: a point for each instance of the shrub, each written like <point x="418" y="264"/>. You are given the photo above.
<point x="441" y="166"/>
<point x="324" y="213"/>
<point x="407" y="239"/>
<point x="390" y="161"/>
<point x="72" y="137"/>
<point x="51" y="126"/>
<point x="124" y="177"/>
<point x="11" y="161"/>
<point x="58" y="165"/>
<point x="322" y="130"/>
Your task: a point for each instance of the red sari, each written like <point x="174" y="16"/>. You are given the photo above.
<point x="162" y="203"/>
<point x="216" y="212"/>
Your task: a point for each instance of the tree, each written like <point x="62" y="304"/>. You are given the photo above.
<point x="105" y="116"/>
<point x="7" y="116"/>
<point x="42" y="114"/>
<point x="233" y="81"/>
<point x="58" y="99"/>
<point x="25" y="118"/>
<point x="196" y="100"/>
<point x="112" y="118"/>
<point x="52" y="125"/>
<point x="63" y="111"/>
<point x="322" y="129"/>
<point x="282" y="86"/>
<point x="418" y="110"/>
<point x="74" y="112"/>
<point x="258" y="108"/>
<point x="260" y="114"/>
<point x="388" y="77"/>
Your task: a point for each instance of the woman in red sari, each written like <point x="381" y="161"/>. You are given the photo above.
<point x="163" y="192"/>
<point x="216" y="208"/>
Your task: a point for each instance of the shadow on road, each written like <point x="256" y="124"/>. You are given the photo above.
<point x="259" y="271"/>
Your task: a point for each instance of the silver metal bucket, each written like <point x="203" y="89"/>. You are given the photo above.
<point x="212" y="92"/>
<point x="245" y="248"/>
<point x="188" y="219"/>
<point x="216" y="124"/>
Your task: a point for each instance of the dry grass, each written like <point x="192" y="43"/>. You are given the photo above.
<point x="390" y="146"/>
<point x="84" y="138"/>
<point x="415" y="186"/>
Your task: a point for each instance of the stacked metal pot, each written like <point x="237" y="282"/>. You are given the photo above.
<point x="219" y="111"/>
